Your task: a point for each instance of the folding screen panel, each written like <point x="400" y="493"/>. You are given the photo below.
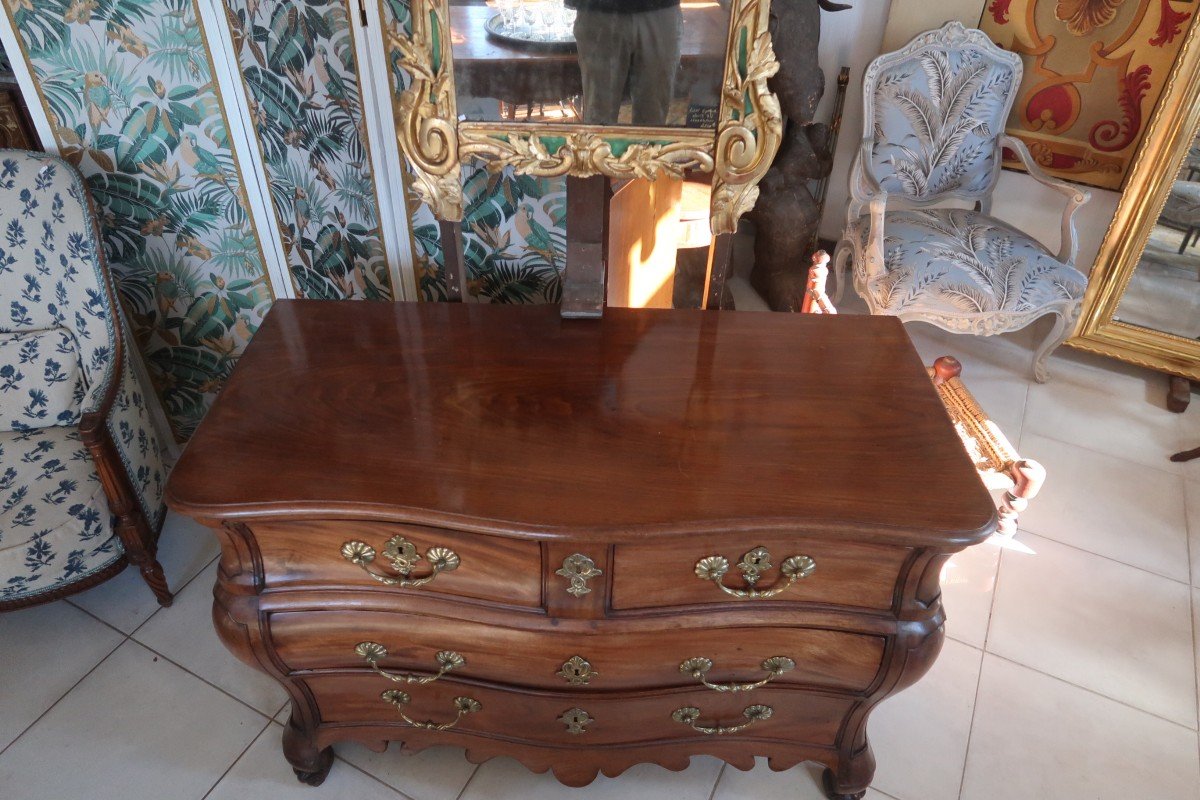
<point x="299" y="68"/>
<point x="127" y="91"/>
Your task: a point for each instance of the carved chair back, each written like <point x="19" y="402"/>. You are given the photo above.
<point x="934" y="113"/>
<point x="52" y="280"/>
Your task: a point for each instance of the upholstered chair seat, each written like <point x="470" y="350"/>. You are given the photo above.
<point x="964" y="267"/>
<point x="81" y="474"/>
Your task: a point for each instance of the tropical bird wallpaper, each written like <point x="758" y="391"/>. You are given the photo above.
<point x="298" y="65"/>
<point x="128" y="88"/>
<point x="514" y="226"/>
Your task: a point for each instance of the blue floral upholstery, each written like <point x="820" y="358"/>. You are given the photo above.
<point x="58" y="345"/>
<point x="934" y="119"/>
<point x="958" y="262"/>
<point x="937" y="115"/>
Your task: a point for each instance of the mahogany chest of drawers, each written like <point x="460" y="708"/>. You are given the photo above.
<point x="584" y="544"/>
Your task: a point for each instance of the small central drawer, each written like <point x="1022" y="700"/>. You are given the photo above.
<point x="636" y="657"/>
<point x="405" y="557"/>
<point x="717" y="569"/>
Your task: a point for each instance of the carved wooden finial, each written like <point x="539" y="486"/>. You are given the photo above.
<point x="946" y="368"/>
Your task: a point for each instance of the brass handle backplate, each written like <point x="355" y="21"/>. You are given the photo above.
<point x="373" y="653"/>
<point x="404" y="557"/>
<point x="774" y="667"/>
<point x="463" y="705"/>
<point x="690" y="715"/>
<point x="753" y="565"/>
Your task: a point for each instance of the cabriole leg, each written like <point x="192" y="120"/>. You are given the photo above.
<point x="310" y="764"/>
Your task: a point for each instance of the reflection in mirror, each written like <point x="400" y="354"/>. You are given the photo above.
<point x="1164" y="292"/>
<point x="600" y="62"/>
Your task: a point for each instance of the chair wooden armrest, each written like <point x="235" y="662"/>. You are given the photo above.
<point x="998" y="463"/>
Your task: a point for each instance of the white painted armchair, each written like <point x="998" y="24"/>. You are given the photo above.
<point x="934" y="120"/>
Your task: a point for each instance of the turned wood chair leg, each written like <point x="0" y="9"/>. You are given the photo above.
<point x="1028" y="477"/>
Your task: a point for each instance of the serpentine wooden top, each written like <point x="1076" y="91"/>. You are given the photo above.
<point x="511" y="419"/>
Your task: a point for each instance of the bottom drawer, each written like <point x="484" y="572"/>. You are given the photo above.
<point x="583" y="719"/>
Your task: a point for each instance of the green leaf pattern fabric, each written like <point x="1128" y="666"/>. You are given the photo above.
<point x="129" y="89"/>
<point x="298" y="65"/>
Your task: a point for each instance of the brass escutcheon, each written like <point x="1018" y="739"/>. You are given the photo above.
<point x="579" y="569"/>
<point x="577" y="671"/>
<point x="576" y="720"/>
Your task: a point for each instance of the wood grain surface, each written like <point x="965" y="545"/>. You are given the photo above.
<point x="512" y="419"/>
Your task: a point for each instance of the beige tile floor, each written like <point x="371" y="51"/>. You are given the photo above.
<point x="1069" y="672"/>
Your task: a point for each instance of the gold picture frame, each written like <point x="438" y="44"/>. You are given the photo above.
<point x="1170" y="132"/>
<point x="737" y="153"/>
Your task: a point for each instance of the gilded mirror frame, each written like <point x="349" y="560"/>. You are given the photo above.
<point x="1170" y="133"/>
<point x="737" y="153"/>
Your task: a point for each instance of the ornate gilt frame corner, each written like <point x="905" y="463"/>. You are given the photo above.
<point x="738" y="153"/>
<point x="1170" y="132"/>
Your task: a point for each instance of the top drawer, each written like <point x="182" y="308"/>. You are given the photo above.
<point x="716" y="569"/>
<point x="330" y="553"/>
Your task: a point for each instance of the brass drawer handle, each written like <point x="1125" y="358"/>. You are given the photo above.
<point x="374" y="652"/>
<point x="404" y="557"/>
<point x="774" y="667"/>
<point x="753" y="565"/>
<point x="688" y="715"/>
<point x="463" y="705"/>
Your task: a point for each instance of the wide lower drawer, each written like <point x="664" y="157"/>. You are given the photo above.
<point x="552" y="658"/>
<point x="714" y="569"/>
<point x="330" y="553"/>
<point x="585" y="720"/>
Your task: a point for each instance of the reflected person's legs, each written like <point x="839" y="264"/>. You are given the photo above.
<point x="657" y="40"/>
<point x="605" y="48"/>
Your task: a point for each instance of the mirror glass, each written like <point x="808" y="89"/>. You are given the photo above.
<point x="645" y="63"/>
<point x="1164" y="292"/>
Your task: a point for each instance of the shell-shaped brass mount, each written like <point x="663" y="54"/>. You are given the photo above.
<point x="374" y="652"/>
<point x="752" y="566"/>
<point x="404" y="558"/>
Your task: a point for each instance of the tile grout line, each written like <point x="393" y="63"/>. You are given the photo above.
<point x="717" y="782"/>
<point x="236" y="759"/>
<point x="204" y="680"/>
<point x="474" y="772"/>
<point x="987" y="631"/>
<point x="378" y="780"/>
<point x="74" y="686"/>
<point x="1186" y="583"/>
<point x="176" y="593"/>
<point x="1130" y="706"/>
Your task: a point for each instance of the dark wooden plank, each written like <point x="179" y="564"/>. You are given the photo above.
<point x="452" y="257"/>
<point x="720" y="254"/>
<point x="587" y="246"/>
<point x="513" y="418"/>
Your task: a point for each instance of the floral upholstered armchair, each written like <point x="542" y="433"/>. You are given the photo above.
<point x="934" y="119"/>
<point x="81" y="475"/>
